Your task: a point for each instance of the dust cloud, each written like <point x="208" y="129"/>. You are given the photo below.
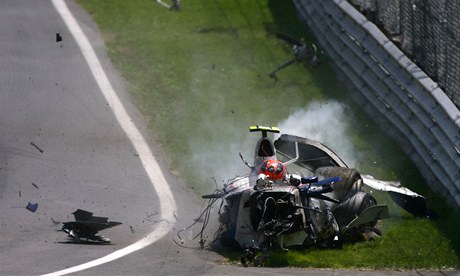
<point x="217" y="158"/>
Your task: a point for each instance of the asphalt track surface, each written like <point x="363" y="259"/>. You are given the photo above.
<point x="63" y="147"/>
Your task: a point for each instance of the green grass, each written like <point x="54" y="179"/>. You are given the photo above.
<point x="399" y="251"/>
<point x="200" y="78"/>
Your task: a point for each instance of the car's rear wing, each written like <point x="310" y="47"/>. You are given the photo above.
<point x="264" y="129"/>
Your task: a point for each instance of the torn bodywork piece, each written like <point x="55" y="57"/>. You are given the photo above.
<point x="302" y="53"/>
<point x="86" y="226"/>
<point x="405" y="198"/>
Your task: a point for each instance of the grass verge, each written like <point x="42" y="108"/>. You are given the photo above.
<point x="200" y="77"/>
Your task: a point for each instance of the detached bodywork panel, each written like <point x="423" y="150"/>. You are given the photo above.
<point x="86" y="226"/>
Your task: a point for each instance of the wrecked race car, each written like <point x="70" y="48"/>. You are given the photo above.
<point x="299" y="193"/>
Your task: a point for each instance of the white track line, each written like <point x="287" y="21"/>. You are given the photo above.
<point x="165" y="196"/>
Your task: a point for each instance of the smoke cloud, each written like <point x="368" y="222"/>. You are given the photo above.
<point x="326" y="123"/>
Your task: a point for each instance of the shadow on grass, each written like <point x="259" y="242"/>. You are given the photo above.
<point x="448" y="222"/>
<point x="286" y="20"/>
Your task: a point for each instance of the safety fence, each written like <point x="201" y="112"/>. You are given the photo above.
<point x="428" y="31"/>
<point x="387" y="84"/>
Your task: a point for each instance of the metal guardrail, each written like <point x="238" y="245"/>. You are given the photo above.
<point x="388" y="84"/>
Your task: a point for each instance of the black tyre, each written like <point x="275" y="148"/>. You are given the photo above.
<point x="349" y="181"/>
<point x="352" y="207"/>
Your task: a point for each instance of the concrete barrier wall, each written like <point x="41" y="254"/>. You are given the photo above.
<point x="416" y="112"/>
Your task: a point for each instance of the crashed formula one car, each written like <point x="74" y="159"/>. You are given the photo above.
<point x="86" y="226"/>
<point x="299" y="193"/>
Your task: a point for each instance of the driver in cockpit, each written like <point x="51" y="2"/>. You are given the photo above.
<point x="274" y="172"/>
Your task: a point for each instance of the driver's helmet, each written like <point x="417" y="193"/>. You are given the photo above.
<point x="273" y="169"/>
